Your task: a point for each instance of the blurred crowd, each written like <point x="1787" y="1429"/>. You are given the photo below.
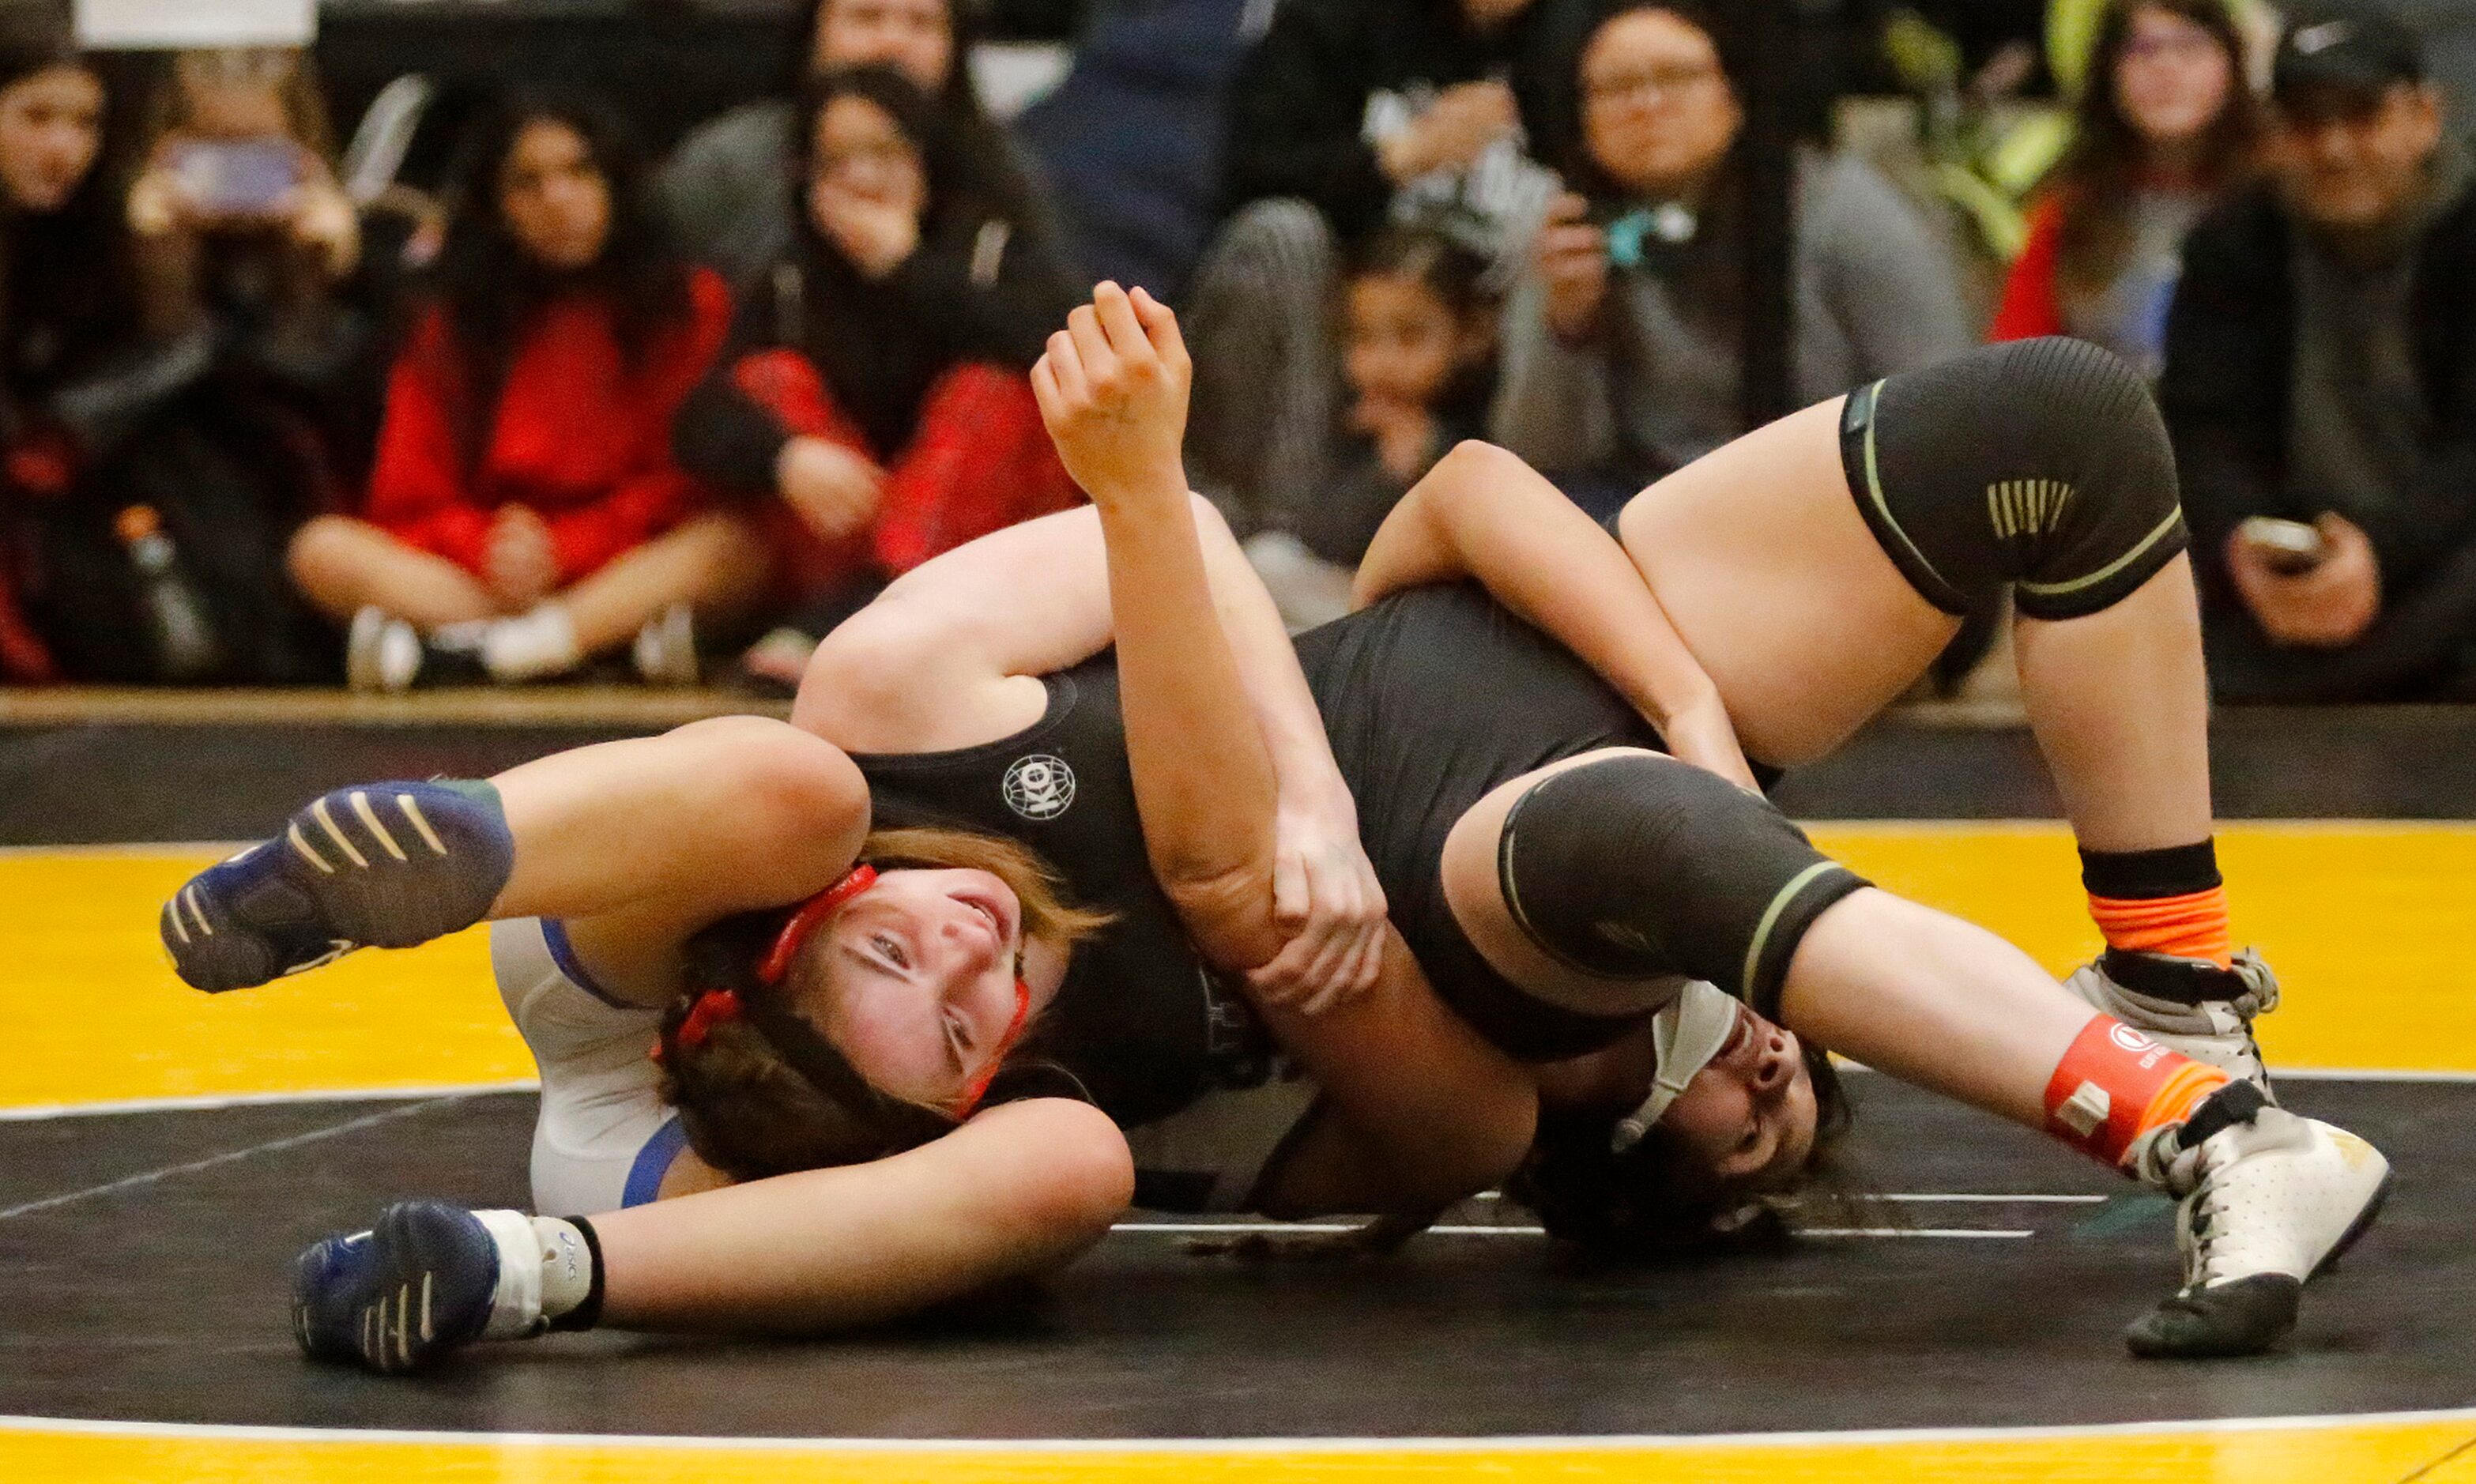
<point x="569" y="410"/>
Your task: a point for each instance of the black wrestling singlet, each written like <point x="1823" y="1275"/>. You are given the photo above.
<point x="1141" y="1022"/>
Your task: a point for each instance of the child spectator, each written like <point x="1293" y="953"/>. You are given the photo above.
<point x="1621" y="341"/>
<point x="1346" y="116"/>
<point x="2166" y="128"/>
<point x="1417" y="330"/>
<point x="875" y="378"/>
<point x="724" y="190"/>
<point x="525" y="513"/>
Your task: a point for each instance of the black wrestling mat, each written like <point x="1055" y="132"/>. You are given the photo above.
<point x="115" y="781"/>
<point x="143" y="1262"/>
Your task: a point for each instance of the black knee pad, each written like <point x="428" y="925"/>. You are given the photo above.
<point x="2040" y="465"/>
<point x="1634" y="867"/>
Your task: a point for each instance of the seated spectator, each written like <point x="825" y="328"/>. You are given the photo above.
<point x="1621" y="342"/>
<point x="1348" y="115"/>
<point x="1416" y="332"/>
<point x="140" y="531"/>
<point x="875" y="378"/>
<point x="51" y="135"/>
<point x="241" y="226"/>
<point x="724" y="190"/>
<point x="2320" y="386"/>
<point x="524" y="514"/>
<point x="2164" y="129"/>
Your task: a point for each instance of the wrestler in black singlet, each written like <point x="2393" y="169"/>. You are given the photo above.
<point x="1140" y="1021"/>
<point x="1431" y="700"/>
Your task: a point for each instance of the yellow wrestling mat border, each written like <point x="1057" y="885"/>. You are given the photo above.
<point x="2350" y="912"/>
<point x="210" y="1101"/>
<point x="2423" y="1446"/>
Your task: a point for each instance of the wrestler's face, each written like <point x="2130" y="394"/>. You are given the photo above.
<point x="1749" y="1115"/>
<point x="913" y="980"/>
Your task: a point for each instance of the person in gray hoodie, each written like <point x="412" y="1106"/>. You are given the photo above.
<point x="1620" y="341"/>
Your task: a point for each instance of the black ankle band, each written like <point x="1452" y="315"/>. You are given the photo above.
<point x="588" y="1314"/>
<point x="2176" y="980"/>
<point x="2235" y="1103"/>
<point x="2148" y="875"/>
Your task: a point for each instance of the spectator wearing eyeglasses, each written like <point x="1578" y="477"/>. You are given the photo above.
<point x="1621" y="342"/>
<point x="2164" y="128"/>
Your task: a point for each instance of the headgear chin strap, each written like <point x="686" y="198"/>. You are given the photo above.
<point x="807" y="1051"/>
<point x="1688" y="1031"/>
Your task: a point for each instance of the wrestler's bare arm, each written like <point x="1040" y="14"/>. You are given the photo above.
<point x="1483" y="513"/>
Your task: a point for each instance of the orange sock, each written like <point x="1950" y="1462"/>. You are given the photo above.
<point x="2193" y="926"/>
<point x="2116" y="1084"/>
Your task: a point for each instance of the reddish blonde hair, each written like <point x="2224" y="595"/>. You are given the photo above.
<point x="745" y="1110"/>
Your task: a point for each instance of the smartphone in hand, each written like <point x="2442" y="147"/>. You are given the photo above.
<point x="238" y="178"/>
<point x="2288" y="546"/>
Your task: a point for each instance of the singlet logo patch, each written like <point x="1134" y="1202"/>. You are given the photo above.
<point x="1039" y="787"/>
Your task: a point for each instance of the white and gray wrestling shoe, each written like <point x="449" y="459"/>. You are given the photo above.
<point x="2190" y="1006"/>
<point x="2270" y="1200"/>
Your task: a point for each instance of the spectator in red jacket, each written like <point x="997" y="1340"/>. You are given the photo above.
<point x="2167" y="128"/>
<point x="525" y="512"/>
<point x="874" y="406"/>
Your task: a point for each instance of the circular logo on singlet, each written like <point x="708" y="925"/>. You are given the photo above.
<point x="1039" y="787"/>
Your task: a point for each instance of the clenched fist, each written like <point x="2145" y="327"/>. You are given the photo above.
<point x="1113" y="390"/>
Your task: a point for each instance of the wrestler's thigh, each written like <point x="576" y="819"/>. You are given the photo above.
<point x="1776" y="583"/>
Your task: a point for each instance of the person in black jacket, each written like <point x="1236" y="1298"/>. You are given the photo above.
<point x="2321" y="372"/>
<point x="1347" y="115"/>
<point x="143" y="507"/>
<point x="876" y="378"/>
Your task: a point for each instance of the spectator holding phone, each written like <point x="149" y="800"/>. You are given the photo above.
<point x="241" y="159"/>
<point x="874" y="403"/>
<point x="242" y="229"/>
<point x="2164" y="128"/>
<point x="1621" y="342"/>
<point x="2321" y="383"/>
<point x="525" y="513"/>
<point x="139" y="540"/>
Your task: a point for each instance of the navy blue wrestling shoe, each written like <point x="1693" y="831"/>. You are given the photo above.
<point x="378" y="865"/>
<point x="395" y="1299"/>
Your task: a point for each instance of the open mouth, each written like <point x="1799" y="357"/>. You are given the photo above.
<point x="999" y="921"/>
